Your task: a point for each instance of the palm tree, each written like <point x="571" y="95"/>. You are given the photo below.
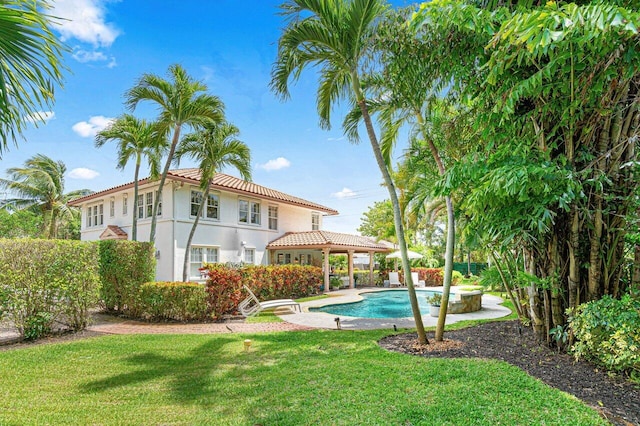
<point x="213" y="148"/>
<point x="337" y="35"/>
<point x="30" y="66"/>
<point x="39" y="186"/>
<point x="182" y="102"/>
<point x="137" y="138"/>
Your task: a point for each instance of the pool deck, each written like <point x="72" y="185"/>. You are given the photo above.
<point x="491" y="308"/>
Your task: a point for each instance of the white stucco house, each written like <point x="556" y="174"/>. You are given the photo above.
<point x="242" y="222"/>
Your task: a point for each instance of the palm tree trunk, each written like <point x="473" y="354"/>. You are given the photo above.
<point x="134" y="226"/>
<point x="397" y="214"/>
<point x="165" y="172"/>
<point x="448" y="270"/>
<point x="185" y="264"/>
<point x="451" y="237"/>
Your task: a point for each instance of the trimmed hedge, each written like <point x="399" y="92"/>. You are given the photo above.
<point x="43" y="282"/>
<point x="225" y="291"/>
<point x="124" y="267"/>
<point x="173" y="301"/>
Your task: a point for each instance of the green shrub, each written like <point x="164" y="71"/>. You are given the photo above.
<point x="124" y="267"/>
<point x="608" y="333"/>
<point x="37" y="325"/>
<point x="456" y="277"/>
<point x="47" y="281"/>
<point x="173" y="301"/>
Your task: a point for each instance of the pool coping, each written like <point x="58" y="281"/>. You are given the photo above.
<point x="491" y="309"/>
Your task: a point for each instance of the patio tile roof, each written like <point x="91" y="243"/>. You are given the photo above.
<point x="326" y="239"/>
<point x="221" y="181"/>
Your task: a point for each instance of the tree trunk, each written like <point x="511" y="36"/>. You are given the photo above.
<point x="203" y="202"/>
<point x="165" y="172"/>
<point x="134" y="226"/>
<point x="448" y="270"/>
<point x="397" y="214"/>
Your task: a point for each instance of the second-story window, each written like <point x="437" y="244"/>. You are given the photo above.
<point x="95" y="215"/>
<point x="315" y="221"/>
<point x="125" y="204"/>
<point x="273" y="217"/>
<point x="249" y="212"/>
<point x="148" y="204"/>
<point x="112" y="207"/>
<point x="210" y="211"/>
<point x="140" y="206"/>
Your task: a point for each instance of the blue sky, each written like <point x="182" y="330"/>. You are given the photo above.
<point x="230" y="46"/>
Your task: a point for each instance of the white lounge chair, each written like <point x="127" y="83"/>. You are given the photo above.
<point x="251" y="305"/>
<point x="417" y="282"/>
<point x="394" y="279"/>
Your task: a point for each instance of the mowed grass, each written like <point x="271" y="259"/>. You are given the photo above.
<point x="293" y="378"/>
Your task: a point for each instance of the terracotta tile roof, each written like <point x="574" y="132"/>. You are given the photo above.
<point x="326" y="239"/>
<point x="222" y="182"/>
<point x="113" y="232"/>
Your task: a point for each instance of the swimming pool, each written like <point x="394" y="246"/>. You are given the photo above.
<point x="380" y="304"/>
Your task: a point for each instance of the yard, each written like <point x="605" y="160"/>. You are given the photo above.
<point x="293" y="378"/>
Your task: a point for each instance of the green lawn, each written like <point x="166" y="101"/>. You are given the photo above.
<point x="294" y="378"/>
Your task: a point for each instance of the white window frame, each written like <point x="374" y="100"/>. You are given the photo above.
<point x="213" y="202"/>
<point x="315" y="221"/>
<point x="250" y="255"/>
<point x="210" y="254"/>
<point x="125" y="205"/>
<point x="140" y="211"/>
<point x="252" y="215"/>
<point x="95" y="215"/>
<point x="112" y="207"/>
<point x="273" y="217"/>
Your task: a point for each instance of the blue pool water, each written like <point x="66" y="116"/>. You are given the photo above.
<point x="380" y="304"/>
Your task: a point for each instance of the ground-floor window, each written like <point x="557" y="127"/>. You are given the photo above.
<point x="199" y="256"/>
<point x="249" y="255"/>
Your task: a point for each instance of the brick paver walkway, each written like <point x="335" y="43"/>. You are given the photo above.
<point x="135" y="327"/>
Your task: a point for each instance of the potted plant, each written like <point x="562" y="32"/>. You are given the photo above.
<point x="335" y="283"/>
<point x="434" y="304"/>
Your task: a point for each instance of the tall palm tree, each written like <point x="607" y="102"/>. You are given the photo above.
<point x="136" y="139"/>
<point x="30" y="66"/>
<point x="182" y="101"/>
<point x="337" y="35"/>
<point x="39" y="186"/>
<point x="213" y="148"/>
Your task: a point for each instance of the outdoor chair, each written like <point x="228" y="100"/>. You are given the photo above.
<point x="252" y="305"/>
<point x="394" y="279"/>
<point x="417" y="282"/>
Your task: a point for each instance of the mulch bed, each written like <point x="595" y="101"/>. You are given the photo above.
<point x="616" y="399"/>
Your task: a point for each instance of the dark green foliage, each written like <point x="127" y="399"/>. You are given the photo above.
<point x="48" y="281"/>
<point x="20" y="224"/>
<point x="178" y="301"/>
<point x="608" y="333"/>
<point x="37" y="326"/>
<point x="124" y="267"/>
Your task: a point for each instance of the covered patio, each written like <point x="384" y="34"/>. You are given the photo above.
<point x="325" y="243"/>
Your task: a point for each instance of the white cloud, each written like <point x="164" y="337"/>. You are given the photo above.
<point x="277" y="164"/>
<point x="40" y="116"/>
<point x="88" y="129"/>
<point x="85" y="56"/>
<point x="84" y="20"/>
<point x="341" y="138"/>
<point x="345" y="193"/>
<point x="83" y="173"/>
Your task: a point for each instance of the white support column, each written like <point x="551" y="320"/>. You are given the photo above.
<point x="350" y="263"/>
<point x="325" y="256"/>
<point x="371" y="268"/>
